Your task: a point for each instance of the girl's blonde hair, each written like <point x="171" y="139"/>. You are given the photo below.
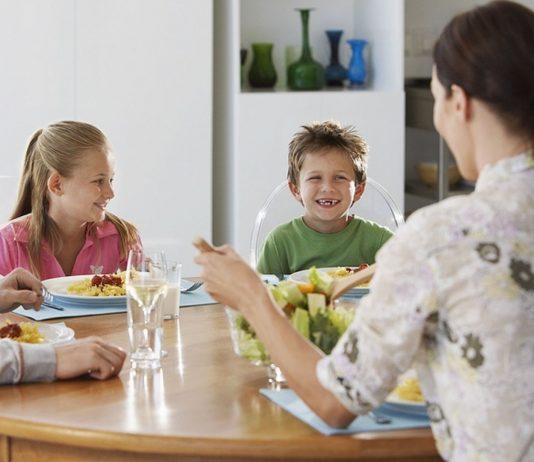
<point x="59" y="147"/>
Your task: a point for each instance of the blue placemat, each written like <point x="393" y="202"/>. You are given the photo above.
<point x="68" y="312"/>
<point x="288" y="400"/>
<point x="198" y="297"/>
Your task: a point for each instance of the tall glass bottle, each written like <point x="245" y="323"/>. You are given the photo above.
<point x="306" y="73"/>
<point x="335" y="73"/>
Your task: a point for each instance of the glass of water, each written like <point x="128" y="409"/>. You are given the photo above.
<point x="171" y="303"/>
<point x="146" y="284"/>
<point x="173" y="274"/>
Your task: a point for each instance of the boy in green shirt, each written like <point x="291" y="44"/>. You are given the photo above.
<point x="327" y="173"/>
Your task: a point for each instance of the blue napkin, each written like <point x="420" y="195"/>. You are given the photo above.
<point x="288" y="400"/>
<point x="70" y="310"/>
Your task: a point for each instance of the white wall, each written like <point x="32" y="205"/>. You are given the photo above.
<point x="255" y="127"/>
<point x="142" y="72"/>
<point x="424" y="20"/>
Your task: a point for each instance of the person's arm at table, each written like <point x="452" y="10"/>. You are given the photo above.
<point x="43" y="363"/>
<point x="29" y="363"/>
<point x="19" y="287"/>
<point x="232" y="282"/>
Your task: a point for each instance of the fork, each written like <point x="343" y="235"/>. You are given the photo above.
<point x="48" y="300"/>
<point x="192" y="287"/>
<point x="379" y="418"/>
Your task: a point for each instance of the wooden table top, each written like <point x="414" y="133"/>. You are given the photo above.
<point x="203" y="404"/>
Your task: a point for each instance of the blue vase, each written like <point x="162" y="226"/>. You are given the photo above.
<point x="357" y="72"/>
<point x="335" y="73"/>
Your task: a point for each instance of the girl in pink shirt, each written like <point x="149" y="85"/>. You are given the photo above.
<point x="60" y="225"/>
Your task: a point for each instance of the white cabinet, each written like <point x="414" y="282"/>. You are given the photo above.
<point x="144" y="75"/>
<point x="36" y="82"/>
<point x="139" y="70"/>
<point x="254" y="128"/>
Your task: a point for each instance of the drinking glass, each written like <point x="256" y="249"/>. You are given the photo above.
<point x="173" y="272"/>
<point x="146" y="284"/>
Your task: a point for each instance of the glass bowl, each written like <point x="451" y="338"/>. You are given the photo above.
<point x="246" y="345"/>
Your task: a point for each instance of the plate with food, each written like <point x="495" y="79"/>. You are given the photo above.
<point x="88" y="290"/>
<point x="36" y="333"/>
<point x="407" y="397"/>
<point x="335" y="272"/>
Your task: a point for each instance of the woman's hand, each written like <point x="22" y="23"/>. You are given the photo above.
<point x="93" y="356"/>
<point x="20" y="287"/>
<point x="228" y="278"/>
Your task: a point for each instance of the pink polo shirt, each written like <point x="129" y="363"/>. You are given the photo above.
<point x="14" y="252"/>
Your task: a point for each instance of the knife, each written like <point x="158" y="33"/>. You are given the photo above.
<point x="54" y="307"/>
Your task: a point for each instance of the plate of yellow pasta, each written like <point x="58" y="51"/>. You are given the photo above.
<point x="88" y="290"/>
<point x="36" y="333"/>
<point x="407" y="396"/>
<point x="335" y="272"/>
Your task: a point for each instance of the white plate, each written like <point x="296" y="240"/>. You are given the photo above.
<point x="58" y="288"/>
<point x="55" y="333"/>
<point x="302" y="276"/>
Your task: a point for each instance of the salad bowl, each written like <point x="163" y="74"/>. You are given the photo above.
<point x="308" y="308"/>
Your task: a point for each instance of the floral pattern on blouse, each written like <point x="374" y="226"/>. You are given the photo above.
<point x="453" y="296"/>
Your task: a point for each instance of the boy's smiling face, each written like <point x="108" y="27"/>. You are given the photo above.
<point x="327" y="190"/>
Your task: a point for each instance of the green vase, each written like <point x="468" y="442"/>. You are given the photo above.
<point x="305" y="74"/>
<point x="262" y="73"/>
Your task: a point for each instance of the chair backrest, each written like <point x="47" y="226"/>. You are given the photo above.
<point x="376" y="205"/>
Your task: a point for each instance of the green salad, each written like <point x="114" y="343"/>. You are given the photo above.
<point x="306" y="305"/>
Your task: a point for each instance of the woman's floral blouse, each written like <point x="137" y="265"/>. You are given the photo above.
<point x="454" y="298"/>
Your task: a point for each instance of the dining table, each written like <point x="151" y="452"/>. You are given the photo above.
<point x="203" y="404"/>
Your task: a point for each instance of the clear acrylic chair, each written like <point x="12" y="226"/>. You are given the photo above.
<point x="376" y="204"/>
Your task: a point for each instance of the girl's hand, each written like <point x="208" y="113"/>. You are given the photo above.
<point x="93" y="356"/>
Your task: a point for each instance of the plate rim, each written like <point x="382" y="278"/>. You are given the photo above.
<point x="68" y="335"/>
<point x="78" y="277"/>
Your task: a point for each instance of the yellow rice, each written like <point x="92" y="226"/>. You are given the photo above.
<point x="342" y="272"/>
<point x="85" y="288"/>
<point x="30" y="333"/>
<point x="409" y="390"/>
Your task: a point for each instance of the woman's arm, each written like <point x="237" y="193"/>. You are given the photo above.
<point x="232" y="282"/>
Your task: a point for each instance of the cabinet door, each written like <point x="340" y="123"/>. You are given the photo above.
<point x="36" y="82"/>
<point x="144" y="76"/>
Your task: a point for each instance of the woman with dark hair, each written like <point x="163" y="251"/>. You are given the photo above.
<point x="453" y="293"/>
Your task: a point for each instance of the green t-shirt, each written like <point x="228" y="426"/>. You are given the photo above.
<point x="294" y="246"/>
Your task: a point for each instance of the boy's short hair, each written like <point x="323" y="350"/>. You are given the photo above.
<point x="318" y="136"/>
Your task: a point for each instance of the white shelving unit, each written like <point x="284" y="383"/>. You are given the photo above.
<point x="253" y="128"/>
